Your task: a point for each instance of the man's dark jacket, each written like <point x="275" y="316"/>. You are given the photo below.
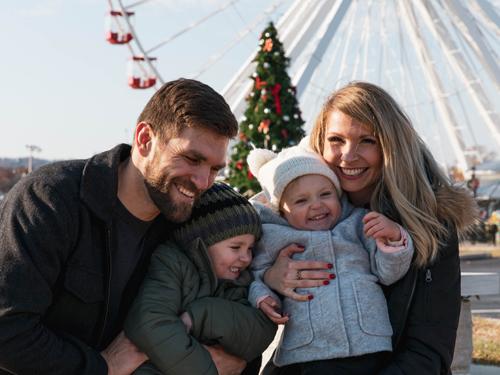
<point x="56" y="240"/>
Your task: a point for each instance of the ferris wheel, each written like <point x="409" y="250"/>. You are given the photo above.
<point x="438" y="59"/>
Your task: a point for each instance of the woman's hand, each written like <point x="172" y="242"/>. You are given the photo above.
<point x="287" y="274"/>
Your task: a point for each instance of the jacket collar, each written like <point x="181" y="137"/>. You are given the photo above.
<point x="99" y="184"/>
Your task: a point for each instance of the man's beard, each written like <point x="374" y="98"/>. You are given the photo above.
<point x="159" y="190"/>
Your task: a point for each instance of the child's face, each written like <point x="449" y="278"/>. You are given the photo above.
<point x="231" y="256"/>
<point x="310" y="202"/>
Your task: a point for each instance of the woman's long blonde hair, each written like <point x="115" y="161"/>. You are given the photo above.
<point x="413" y="189"/>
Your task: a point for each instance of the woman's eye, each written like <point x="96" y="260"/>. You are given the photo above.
<point x="369" y="141"/>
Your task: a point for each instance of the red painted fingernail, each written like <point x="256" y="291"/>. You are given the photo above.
<point x="326" y="282"/>
<point x="330" y="265"/>
<point x="331" y="276"/>
<point x="300" y="246"/>
<point x="310" y="297"/>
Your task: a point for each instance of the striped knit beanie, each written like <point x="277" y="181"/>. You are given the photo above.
<point x="220" y="213"/>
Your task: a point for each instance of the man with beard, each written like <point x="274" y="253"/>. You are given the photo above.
<point x="76" y="236"/>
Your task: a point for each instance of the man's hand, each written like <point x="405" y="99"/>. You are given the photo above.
<point x="122" y="356"/>
<point x="226" y="364"/>
<point x="271" y="308"/>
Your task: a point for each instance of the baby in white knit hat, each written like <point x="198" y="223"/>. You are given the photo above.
<point x="305" y="206"/>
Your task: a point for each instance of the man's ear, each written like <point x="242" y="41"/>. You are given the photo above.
<point x="143" y="138"/>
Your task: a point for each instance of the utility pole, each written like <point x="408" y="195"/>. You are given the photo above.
<point x="32" y="149"/>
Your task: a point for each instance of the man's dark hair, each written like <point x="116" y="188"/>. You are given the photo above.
<point x="186" y="103"/>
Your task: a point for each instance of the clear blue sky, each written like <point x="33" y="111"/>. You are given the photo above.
<point x="64" y="88"/>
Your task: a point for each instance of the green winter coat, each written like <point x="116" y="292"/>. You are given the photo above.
<point x="179" y="281"/>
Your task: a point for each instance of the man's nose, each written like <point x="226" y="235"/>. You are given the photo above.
<point x="202" y="178"/>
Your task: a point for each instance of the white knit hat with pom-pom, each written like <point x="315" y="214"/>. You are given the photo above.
<point x="275" y="171"/>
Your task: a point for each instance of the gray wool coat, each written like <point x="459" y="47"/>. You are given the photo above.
<point x="349" y="316"/>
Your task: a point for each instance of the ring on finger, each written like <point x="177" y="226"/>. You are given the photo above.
<point x="299" y="275"/>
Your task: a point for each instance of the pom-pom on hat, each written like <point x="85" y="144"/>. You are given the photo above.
<point x="275" y="171"/>
<point x="220" y="213"/>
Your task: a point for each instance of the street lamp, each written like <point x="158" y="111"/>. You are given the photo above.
<point x="32" y="149"/>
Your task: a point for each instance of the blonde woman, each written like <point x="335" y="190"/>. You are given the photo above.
<point x="382" y="164"/>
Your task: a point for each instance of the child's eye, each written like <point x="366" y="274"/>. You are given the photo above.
<point x="299" y="201"/>
<point x="326" y="194"/>
<point x="334" y="139"/>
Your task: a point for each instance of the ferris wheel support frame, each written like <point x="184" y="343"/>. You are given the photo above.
<point x="322" y="38"/>
<point x="435" y="84"/>
<point x="455" y="58"/>
<point x="489" y="15"/>
<point x="474" y="37"/>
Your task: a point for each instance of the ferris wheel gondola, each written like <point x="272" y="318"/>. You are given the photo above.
<point x="116" y="31"/>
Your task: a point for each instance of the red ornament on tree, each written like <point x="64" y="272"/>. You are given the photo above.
<point x="239" y="165"/>
<point x="259" y="83"/>
<point x="268" y="45"/>
<point x="264" y="126"/>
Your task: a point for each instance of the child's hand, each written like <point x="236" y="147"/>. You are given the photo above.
<point x="380" y="227"/>
<point x="270" y="307"/>
<point x="186" y="319"/>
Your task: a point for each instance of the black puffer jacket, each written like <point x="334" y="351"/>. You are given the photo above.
<point x="55" y="246"/>
<point x="424" y="308"/>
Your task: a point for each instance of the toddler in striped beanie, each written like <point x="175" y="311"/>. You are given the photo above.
<point x="195" y="293"/>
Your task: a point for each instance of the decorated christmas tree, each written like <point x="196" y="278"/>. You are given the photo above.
<point x="272" y="119"/>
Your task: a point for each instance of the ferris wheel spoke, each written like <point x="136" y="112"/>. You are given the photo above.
<point x="241" y="35"/>
<point x="192" y="26"/>
<point x="136" y="4"/>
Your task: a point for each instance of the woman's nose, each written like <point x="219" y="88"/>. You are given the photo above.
<point x="349" y="152"/>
